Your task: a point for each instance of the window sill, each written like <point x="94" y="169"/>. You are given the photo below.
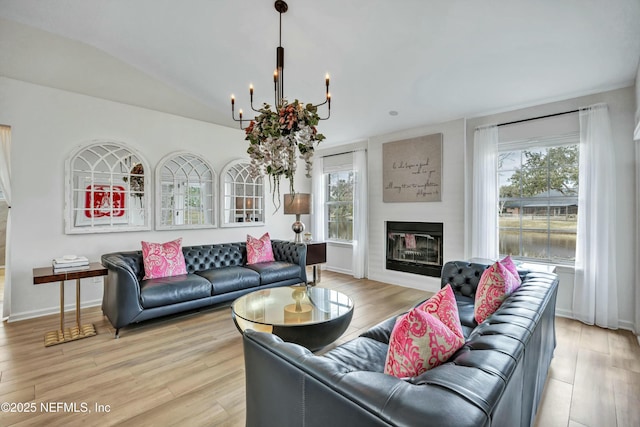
<point x="547" y="266"/>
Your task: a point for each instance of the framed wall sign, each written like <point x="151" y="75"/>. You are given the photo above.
<point x="412" y="170"/>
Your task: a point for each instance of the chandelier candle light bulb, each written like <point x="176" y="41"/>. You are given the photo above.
<point x="280" y="136"/>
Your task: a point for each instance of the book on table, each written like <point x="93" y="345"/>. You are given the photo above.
<point x="70" y="263"/>
<point x="70" y="269"/>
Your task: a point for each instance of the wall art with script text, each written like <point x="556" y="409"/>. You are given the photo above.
<point x="412" y="170"/>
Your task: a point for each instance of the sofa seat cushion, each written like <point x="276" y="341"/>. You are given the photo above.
<point x="171" y="290"/>
<point x="360" y="354"/>
<point x="229" y="279"/>
<point x="275" y="271"/>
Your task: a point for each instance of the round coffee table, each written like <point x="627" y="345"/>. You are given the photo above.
<point x="310" y="316"/>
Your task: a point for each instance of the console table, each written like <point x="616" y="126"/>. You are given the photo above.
<point x="316" y="254"/>
<point x="43" y="275"/>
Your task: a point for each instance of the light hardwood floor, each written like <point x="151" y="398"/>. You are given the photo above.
<point x="189" y="370"/>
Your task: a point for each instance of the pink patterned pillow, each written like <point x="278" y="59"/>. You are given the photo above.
<point x="443" y="305"/>
<point x="496" y="283"/>
<point x="259" y="250"/>
<point x="508" y="263"/>
<point x="163" y="259"/>
<point x="425" y="337"/>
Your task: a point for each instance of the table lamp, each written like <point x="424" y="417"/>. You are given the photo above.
<point x="297" y="204"/>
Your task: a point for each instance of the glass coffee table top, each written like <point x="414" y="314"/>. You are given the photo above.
<point x="311" y="316"/>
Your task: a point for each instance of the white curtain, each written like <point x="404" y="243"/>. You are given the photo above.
<point x="637" y="273"/>
<point x="595" y="290"/>
<point x="484" y="221"/>
<point x="360" y="214"/>
<point x="318" y="190"/>
<point x="5" y="185"/>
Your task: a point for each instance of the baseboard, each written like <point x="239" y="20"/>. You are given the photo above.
<point x="564" y="313"/>
<point x="338" y="270"/>
<point x="16" y="317"/>
<point x="622" y="324"/>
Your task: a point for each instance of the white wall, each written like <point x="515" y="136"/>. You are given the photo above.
<point x="47" y="125"/>
<point x="621" y="110"/>
<point x="637" y="85"/>
<point x="339" y="258"/>
<point x="449" y="211"/>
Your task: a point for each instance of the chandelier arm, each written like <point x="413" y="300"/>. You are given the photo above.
<point x="325" y="118"/>
<point x="322" y="103"/>
<point x="252" y="107"/>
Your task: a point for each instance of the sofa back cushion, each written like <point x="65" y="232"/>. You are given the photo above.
<point x="206" y="257"/>
<point x="463" y="276"/>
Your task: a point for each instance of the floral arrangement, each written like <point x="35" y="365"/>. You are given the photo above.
<point x="275" y="139"/>
<point x="137" y="180"/>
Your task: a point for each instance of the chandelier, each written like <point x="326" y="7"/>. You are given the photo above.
<point x="278" y="79"/>
<point x="279" y="137"/>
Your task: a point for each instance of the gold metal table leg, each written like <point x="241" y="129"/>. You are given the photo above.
<point x="69" y="334"/>
<point x="62" y="305"/>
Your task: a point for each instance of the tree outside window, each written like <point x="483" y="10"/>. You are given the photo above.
<point x="340" y="205"/>
<point x="538" y="202"/>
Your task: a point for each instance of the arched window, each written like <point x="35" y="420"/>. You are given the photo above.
<point x="107" y="189"/>
<point x="242" y="196"/>
<point x="186" y="184"/>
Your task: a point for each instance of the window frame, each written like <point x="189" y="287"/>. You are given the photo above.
<point x="569" y="139"/>
<point x="328" y="203"/>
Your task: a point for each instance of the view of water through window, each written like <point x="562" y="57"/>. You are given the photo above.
<point x="538" y="204"/>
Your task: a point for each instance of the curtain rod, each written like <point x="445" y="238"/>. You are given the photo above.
<point x="537" y="118"/>
<point x="344" y="152"/>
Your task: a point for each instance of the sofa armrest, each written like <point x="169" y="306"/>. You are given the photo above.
<point x="295" y="253"/>
<point x="121" y="296"/>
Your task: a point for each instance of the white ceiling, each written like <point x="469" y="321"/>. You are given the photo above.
<point x="430" y="60"/>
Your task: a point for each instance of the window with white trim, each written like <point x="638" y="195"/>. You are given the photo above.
<point x="538" y="198"/>
<point x="339" y="205"/>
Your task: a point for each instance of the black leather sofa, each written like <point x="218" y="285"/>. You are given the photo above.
<point x="496" y="379"/>
<point x="217" y="273"/>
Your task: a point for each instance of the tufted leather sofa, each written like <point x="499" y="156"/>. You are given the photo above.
<point x="216" y="273"/>
<point x="496" y="379"/>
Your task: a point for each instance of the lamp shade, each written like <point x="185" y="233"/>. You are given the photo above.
<point x="243" y="203"/>
<point x="239" y="203"/>
<point x="297" y="204"/>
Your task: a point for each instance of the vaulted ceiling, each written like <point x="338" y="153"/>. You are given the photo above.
<point x="429" y="60"/>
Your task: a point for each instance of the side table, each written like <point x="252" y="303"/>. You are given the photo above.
<point x="43" y="275"/>
<point x="316" y="254"/>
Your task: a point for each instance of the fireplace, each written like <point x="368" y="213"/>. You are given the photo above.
<point x="415" y="247"/>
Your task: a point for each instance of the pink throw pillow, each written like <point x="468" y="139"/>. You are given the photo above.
<point x="496" y="283"/>
<point x="163" y="259"/>
<point x="425" y="337"/>
<point x="259" y="250"/>
<point x="510" y="265"/>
